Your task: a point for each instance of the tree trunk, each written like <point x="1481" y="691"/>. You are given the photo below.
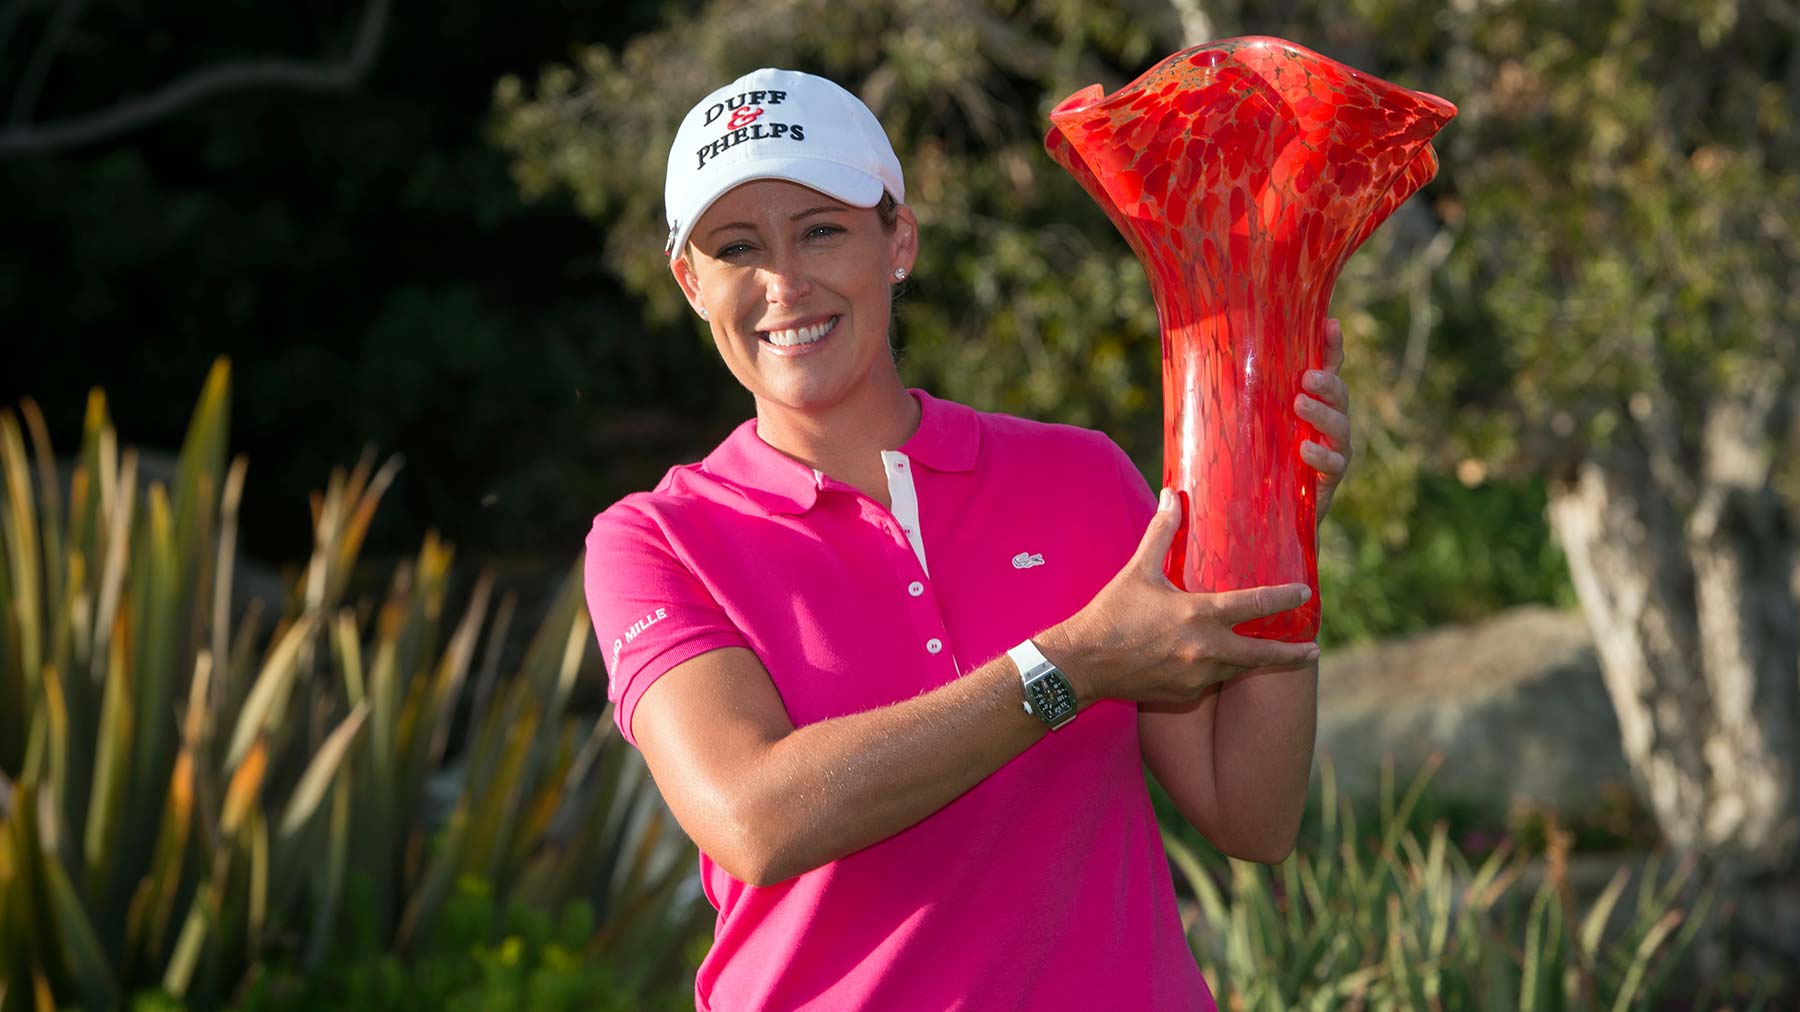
<point x="1687" y="577"/>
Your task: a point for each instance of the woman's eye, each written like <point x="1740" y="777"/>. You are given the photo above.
<point x="823" y="231"/>
<point x="732" y="251"/>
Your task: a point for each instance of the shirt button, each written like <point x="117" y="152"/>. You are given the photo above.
<point x="934" y="645"/>
<point x="915" y="588"/>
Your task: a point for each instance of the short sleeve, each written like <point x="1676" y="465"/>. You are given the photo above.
<point x="650" y="611"/>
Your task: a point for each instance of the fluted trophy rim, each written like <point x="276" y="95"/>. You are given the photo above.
<point x="1095" y="98"/>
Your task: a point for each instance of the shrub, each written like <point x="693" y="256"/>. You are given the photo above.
<point x="185" y="799"/>
<point x="1404" y="922"/>
<point x="479" y="960"/>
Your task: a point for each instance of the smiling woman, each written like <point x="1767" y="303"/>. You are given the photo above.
<point x="908" y="659"/>
<point x="795" y="285"/>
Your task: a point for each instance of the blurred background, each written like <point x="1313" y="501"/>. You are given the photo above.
<point x="1562" y="580"/>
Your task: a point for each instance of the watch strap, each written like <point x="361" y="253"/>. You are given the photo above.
<point x="1048" y="696"/>
<point x="1027" y="656"/>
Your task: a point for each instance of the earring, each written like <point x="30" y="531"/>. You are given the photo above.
<point x="703" y="315"/>
<point x="899" y="274"/>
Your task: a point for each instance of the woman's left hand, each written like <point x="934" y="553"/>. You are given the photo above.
<point x="1328" y="411"/>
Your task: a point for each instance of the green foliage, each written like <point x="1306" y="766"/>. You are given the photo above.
<point x="1451" y="554"/>
<point x="1400" y="920"/>
<point x="1614" y="222"/>
<point x="184" y="798"/>
<point x="478" y="960"/>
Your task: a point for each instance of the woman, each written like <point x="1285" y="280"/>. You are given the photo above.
<point x="895" y="663"/>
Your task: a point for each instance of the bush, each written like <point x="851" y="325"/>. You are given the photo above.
<point x="1395" y="562"/>
<point x="1404" y="921"/>
<point x="185" y="800"/>
<point x="480" y="960"/>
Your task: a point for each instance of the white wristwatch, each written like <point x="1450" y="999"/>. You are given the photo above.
<point x="1048" y="695"/>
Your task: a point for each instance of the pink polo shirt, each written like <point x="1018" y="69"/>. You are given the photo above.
<point x="1044" y="887"/>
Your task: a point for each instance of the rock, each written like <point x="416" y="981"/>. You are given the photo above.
<point x="1515" y="704"/>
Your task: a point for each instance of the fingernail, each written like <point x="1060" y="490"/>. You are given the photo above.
<point x="1312" y="652"/>
<point x="1167" y="500"/>
<point x="1305" y="594"/>
<point x="1313" y="376"/>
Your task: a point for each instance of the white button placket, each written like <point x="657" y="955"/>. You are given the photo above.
<point x="905" y="498"/>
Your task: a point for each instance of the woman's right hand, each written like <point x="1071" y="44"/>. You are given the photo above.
<point x="1144" y="639"/>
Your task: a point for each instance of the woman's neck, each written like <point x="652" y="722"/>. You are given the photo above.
<point x="845" y="441"/>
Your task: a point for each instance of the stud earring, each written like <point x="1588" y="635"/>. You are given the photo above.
<point x="703" y="315"/>
<point x="899" y="274"/>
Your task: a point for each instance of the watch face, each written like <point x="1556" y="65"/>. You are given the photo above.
<point x="1052" y="696"/>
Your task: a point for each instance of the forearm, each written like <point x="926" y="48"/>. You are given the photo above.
<point x="834" y="787"/>
<point x="1263" y="734"/>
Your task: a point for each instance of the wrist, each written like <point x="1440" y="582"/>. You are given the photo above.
<point x="1048" y="694"/>
<point x="1060" y="645"/>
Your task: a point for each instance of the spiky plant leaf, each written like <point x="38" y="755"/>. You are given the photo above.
<point x="87" y="958"/>
<point x="273" y="683"/>
<point x="321" y="772"/>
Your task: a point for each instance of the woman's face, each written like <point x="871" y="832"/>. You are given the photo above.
<point x="795" y="285"/>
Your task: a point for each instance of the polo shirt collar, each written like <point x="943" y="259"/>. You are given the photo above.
<point x="948" y="439"/>
<point x="949" y="435"/>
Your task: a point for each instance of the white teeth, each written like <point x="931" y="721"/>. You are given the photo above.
<point x="802" y="335"/>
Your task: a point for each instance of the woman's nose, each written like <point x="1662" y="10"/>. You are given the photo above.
<point x="785" y="281"/>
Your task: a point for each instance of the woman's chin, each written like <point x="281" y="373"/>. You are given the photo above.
<point x="804" y="397"/>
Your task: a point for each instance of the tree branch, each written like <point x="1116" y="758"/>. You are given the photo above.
<point x="1656" y="408"/>
<point x="1196" y="26"/>
<point x="1421" y="313"/>
<point x="48" y="49"/>
<point x="1005" y="44"/>
<point x="1176" y="24"/>
<point x="1742" y="433"/>
<point x="236" y="75"/>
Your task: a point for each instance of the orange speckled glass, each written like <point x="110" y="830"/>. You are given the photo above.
<point x="1244" y="173"/>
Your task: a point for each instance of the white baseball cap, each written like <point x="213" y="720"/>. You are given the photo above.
<point x="777" y="124"/>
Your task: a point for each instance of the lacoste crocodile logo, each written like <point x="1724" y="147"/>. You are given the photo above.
<point x="1025" y="560"/>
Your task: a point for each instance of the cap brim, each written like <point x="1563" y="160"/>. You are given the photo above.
<point x="842" y="182"/>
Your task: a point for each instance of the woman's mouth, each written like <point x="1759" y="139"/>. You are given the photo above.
<point x="800" y="336"/>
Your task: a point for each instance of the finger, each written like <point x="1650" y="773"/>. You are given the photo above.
<point x="1159" y="535"/>
<point x="1250" y="652"/>
<point x="1234" y="606"/>
<point x="1324" y="460"/>
<point x="1334" y="345"/>
<point x="1333" y="424"/>
<point x="1328" y="387"/>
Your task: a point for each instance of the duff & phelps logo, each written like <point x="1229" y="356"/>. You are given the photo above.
<point x="746" y="109"/>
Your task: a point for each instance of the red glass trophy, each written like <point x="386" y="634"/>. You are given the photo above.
<point x="1244" y="173"/>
